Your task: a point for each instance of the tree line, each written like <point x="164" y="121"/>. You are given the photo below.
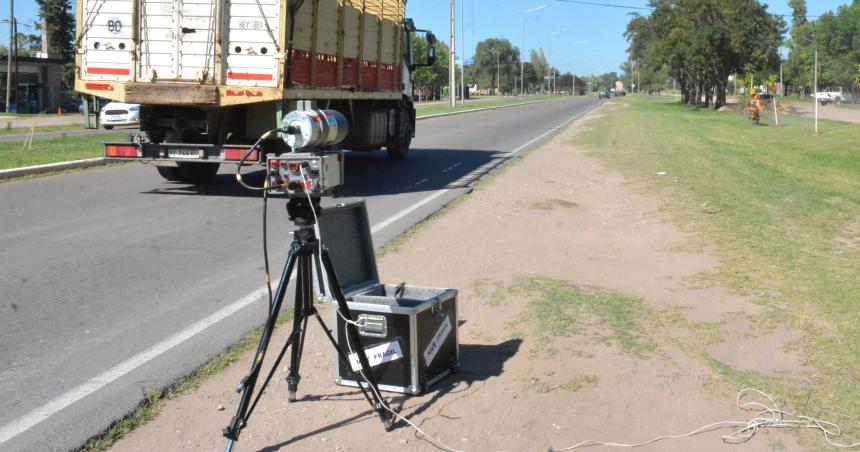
<point x="700" y="43"/>
<point x="836" y="35"/>
<point x="495" y="67"/>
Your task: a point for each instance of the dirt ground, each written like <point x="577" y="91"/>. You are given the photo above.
<point x="832" y="112"/>
<point x="14" y="122"/>
<point x="568" y="221"/>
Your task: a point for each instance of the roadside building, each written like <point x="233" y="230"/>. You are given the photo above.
<point x="39" y="84"/>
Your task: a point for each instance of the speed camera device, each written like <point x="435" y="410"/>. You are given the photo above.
<point x="318" y="169"/>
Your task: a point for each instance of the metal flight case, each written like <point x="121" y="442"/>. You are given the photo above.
<point x="409" y="333"/>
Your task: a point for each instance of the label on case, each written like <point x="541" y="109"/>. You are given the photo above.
<point x="438" y="339"/>
<point x="378" y="354"/>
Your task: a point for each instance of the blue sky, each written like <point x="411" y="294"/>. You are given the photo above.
<point x="593" y="42"/>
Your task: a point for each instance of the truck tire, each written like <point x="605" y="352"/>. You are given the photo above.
<point x="398" y="144"/>
<point x="108" y="127"/>
<point x="170" y="173"/>
<point x="197" y="173"/>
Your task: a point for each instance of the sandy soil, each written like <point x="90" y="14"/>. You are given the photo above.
<point x="832" y="112"/>
<point x="568" y="219"/>
<point x="13" y="122"/>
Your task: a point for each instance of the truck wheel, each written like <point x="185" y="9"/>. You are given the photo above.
<point x="108" y="127"/>
<point x="398" y="144"/>
<point x="170" y="173"/>
<point x="197" y="173"/>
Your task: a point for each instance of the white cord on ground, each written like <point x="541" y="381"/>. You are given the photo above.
<point x="384" y="405"/>
<point x="767" y="416"/>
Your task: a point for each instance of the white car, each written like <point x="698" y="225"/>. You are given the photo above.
<point x="119" y="114"/>
<point x="829" y="97"/>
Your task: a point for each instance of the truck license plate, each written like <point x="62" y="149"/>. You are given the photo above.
<point x="184" y="153"/>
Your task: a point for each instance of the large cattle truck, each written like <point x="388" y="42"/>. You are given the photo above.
<point x="211" y="76"/>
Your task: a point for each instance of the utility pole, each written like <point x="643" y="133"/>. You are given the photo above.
<point x="9" y="57"/>
<point x="781" y="86"/>
<point x="638" y="77"/>
<point x="815" y="90"/>
<point x="15" y="51"/>
<point x="523" y="59"/>
<point x="523" y="49"/>
<point x="452" y="65"/>
<point x="462" y="54"/>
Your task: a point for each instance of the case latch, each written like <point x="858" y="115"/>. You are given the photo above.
<point x="436" y="308"/>
<point x="372" y="325"/>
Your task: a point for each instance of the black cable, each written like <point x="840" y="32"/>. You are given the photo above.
<point x="248" y="154"/>
<point x="266" y="240"/>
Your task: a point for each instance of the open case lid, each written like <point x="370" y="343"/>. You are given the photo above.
<point x="345" y="231"/>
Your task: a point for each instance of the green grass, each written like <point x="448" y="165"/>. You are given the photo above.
<point x="55" y="149"/>
<point x="781" y="204"/>
<point x="554" y="203"/>
<point x="154" y="401"/>
<point x="426" y="111"/>
<point x="560" y="309"/>
<point x="39" y="129"/>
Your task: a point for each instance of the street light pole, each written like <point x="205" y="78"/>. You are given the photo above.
<point x="452" y="65"/>
<point x="462" y="54"/>
<point x="523" y="59"/>
<point x="815" y="90"/>
<point x="551" y="35"/>
<point x="9" y="57"/>
<point x="522" y="51"/>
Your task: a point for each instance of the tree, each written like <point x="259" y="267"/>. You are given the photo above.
<point x="837" y="38"/>
<point x="798" y="12"/>
<point x="485" y="68"/>
<point x="857" y="77"/>
<point x="27" y="44"/>
<point x="700" y="43"/>
<point x="431" y="78"/>
<point x="540" y="67"/>
<point x="57" y="15"/>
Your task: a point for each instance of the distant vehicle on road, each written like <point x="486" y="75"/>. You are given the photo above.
<point x="829" y="97"/>
<point x="119" y="114"/>
<point x="765" y="96"/>
<point x="603" y="94"/>
<point x="620" y="93"/>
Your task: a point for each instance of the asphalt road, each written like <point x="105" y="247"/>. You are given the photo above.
<point x="114" y="282"/>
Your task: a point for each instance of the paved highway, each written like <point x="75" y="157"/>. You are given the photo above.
<point x="114" y="282"/>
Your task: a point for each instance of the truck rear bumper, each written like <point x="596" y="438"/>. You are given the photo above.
<point x="179" y="152"/>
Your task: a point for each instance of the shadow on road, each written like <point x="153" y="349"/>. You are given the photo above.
<point x="368" y="174"/>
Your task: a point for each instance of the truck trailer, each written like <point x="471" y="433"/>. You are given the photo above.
<point x="212" y="76"/>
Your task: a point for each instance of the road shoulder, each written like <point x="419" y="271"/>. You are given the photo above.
<point x="539" y="253"/>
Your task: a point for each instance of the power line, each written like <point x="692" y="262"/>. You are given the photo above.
<point x="645" y="8"/>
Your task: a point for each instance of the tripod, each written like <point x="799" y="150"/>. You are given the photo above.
<point x="304" y="248"/>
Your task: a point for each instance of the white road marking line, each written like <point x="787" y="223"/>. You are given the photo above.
<point x="38" y="415"/>
<point x="20" y="425"/>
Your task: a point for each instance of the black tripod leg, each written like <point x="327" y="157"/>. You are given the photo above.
<point x="344" y="357"/>
<point x="355" y="341"/>
<point x="304" y="306"/>
<point x="246" y="386"/>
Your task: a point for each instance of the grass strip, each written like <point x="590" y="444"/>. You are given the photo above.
<point x="559" y="308"/>
<point x="781" y="206"/>
<point x="427" y="111"/>
<point x="53" y="150"/>
<point x="40" y="129"/>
